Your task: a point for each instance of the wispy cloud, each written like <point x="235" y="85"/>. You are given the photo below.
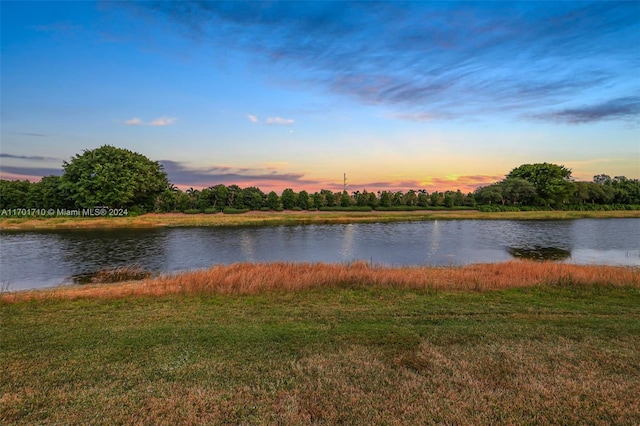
<point x="421" y="117"/>
<point x="278" y="121"/>
<point x="434" y="60"/>
<point x="163" y="121"/>
<point x="463" y="183"/>
<point x="29" y="172"/>
<point x="616" y="109"/>
<point x="29" y="157"/>
<point x="186" y="175"/>
<point x="39" y="135"/>
<point x="272" y="121"/>
<point x="158" y="122"/>
<point x="133" y="122"/>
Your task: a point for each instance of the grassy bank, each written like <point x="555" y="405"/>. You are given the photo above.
<point x="249" y="278"/>
<point x="291" y="218"/>
<point x="364" y="348"/>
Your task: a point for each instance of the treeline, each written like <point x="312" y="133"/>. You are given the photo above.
<point x="220" y="197"/>
<point x="510" y="194"/>
<point x="115" y="177"/>
<point x="48" y="193"/>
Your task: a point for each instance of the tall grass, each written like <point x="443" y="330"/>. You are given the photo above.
<point x="249" y="278"/>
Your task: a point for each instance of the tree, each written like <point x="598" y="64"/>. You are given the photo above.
<point x="602" y="179"/>
<point x="345" y="200"/>
<point x="436" y="198"/>
<point x="385" y="199"/>
<point x="552" y="182"/>
<point x="273" y="201"/>
<point x="397" y="199"/>
<point x="288" y="198"/>
<point x="220" y="193"/>
<point x="411" y="198"/>
<point x="581" y="192"/>
<point x="205" y="199"/>
<point x="490" y="194"/>
<point x="47" y="194"/>
<point x="372" y="200"/>
<point x="423" y="198"/>
<point x="183" y="202"/>
<point x="193" y="194"/>
<point x="114" y="177"/>
<point x="518" y="191"/>
<point x="600" y="194"/>
<point x="303" y="199"/>
<point x="234" y="197"/>
<point x="449" y="199"/>
<point x="167" y="201"/>
<point x="329" y="197"/>
<point x="253" y="197"/>
<point x="14" y="193"/>
<point x="626" y="191"/>
<point x="362" y="198"/>
<point x="318" y="200"/>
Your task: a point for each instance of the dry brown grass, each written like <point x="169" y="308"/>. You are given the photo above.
<point x="248" y="278"/>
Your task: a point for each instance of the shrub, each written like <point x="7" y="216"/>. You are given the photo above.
<point x="399" y="208"/>
<point x="345" y="209"/>
<point x="231" y="210"/>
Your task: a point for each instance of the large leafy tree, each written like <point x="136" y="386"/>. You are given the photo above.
<point x="113" y="177"/>
<point x="552" y="182"/>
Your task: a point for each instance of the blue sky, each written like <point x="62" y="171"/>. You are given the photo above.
<point x="416" y="95"/>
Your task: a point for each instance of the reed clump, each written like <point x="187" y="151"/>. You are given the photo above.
<point x="252" y="278"/>
<point x="116" y="274"/>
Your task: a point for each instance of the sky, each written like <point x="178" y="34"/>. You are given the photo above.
<point x="397" y="96"/>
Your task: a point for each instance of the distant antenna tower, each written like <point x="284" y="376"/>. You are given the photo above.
<point x="344" y="183"/>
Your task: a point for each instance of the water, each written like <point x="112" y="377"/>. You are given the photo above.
<point x="42" y="259"/>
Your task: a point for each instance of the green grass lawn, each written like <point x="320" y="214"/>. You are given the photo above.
<point x="540" y="355"/>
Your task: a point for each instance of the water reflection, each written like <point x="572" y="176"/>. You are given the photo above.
<point x="435" y="238"/>
<point x="88" y="251"/>
<point x="246" y="243"/>
<point x="347" y="241"/>
<point x="540" y="253"/>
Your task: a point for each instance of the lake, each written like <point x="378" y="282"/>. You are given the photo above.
<point x="37" y="259"/>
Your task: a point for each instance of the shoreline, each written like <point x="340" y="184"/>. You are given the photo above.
<point x="257" y="278"/>
<point x="259" y="218"/>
